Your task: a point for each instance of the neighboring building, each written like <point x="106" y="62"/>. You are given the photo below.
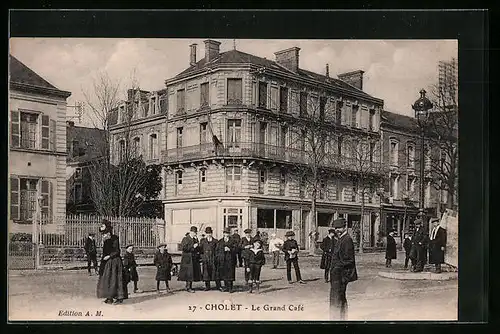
<point x="245" y="104"/>
<point x="37" y="154"/>
<point x="84" y="146"/>
<point x="448" y="82"/>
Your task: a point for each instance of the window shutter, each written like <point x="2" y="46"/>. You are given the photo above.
<point x="53" y="135"/>
<point x="47" y="200"/>
<point x="15" y="129"/>
<point x="14" y="198"/>
<point x="45" y="132"/>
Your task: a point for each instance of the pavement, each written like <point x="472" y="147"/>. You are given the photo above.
<point x="69" y="295"/>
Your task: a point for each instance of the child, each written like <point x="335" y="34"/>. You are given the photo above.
<point x="291" y="249"/>
<point x="163" y="263"/>
<point x="407" y="248"/>
<point x="256" y="261"/>
<point x="130" y="267"/>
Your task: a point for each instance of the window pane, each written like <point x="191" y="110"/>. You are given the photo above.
<point x="263" y="94"/>
<point x="234" y="91"/>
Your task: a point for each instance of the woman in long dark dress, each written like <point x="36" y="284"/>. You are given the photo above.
<point x="111" y="285"/>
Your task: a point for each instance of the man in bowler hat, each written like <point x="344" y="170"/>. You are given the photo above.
<point x="208" y="253"/>
<point x="437" y="245"/>
<point x="419" y="247"/>
<point x="291" y="250"/>
<point x="327" y="246"/>
<point x="190" y="270"/>
<point x="342" y="270"/>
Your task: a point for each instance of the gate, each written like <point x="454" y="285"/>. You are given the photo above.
<point x="21" y="255"/>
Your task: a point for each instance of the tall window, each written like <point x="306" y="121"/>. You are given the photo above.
<point x="322" y="189"/>
<point x="410" y="183"/>
<point x="411" y="156"/>
<point x="303" y="104"/>
<point x="322" y="106"/>
<point x="262" y="94"/>
<point x="202" y="180"/>
<point x="354" y="120"/>
<point x="204" y="94"/>
<point x="28" y="198"/>
<point x="180" y="140"/>
<point x="302" y="187"/>
<point x="164" y="104"/>
<point x="282" y="183"/>
<point x="274" y="98"/>
<point x="234" y="91"/>
<point x="283" y="99"/>
<point x="338" y="112"/>
<point x="29" y="130"/>
<point x="203" y="133"/>
<point x="233" y="179"/>
<point x="283" y="135"/>
<point x="181" y="101"/>
<point x="178" y="182"/>
<point x="394" y="148"/>
<point x="371" y="121"/>
<point x="122" y="150"/>
<point x="262" y="180"/>
<point x="372" y="151"/>
<point x="77" y="193"/>
<point x="153" y="105"/>
<point x="153" y="146"/>
<point x="394" y="179"/>
<point x="136" y="146"/>
<point x="339" y="146"/>
<point x="234" y="132"/>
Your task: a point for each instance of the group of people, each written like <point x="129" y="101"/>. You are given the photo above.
<point x="417" y="245"/>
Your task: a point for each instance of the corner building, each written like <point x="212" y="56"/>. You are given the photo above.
<point x="229" y="145"/>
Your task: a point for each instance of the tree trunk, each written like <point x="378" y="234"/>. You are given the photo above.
<point x="361" y="232"/>
<point x="313" y="226"/>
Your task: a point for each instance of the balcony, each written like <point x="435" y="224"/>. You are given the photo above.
<point x="265" y="151"/>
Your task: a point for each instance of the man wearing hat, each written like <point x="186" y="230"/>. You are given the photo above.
<point x="390" y="249"/>
<point x="246" y="244"/>
<point x="327" y="246"/>
<point x="237" y="240"/>
<point x="190" y="270"/>
<point x="419" y="247"/>
<point x="91" y="251"/>
<point x="437" y="244"/>
<point x="291" y="250"/>
<point x="207" y="251"/>
<point x="342" y="270"/>
<point x="225" y="261"/>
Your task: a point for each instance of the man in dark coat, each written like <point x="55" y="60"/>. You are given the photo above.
<point x="91" y="252"/>
<point x="437" y="245"/>
<point x="407" y="248"/>
<point x="245" y="244"/>
<point x="390" y="250"/>
<point x="327" y="247"/>
<point x="342" y="270"/>
<point x="225" y="260"/>
<point x="207" y="251"/>
<point x="190" y="270"/>
<point x="419" y="247"/>
<point x="237" y="239"/>
<point x="291" y="250"/>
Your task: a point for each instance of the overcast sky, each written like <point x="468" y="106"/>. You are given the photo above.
<point x="395" y="70"/>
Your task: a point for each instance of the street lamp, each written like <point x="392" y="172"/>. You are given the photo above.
<point x="422" y="107"/>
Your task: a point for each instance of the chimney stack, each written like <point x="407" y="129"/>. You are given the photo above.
<point x="192" y="58"/>
<point x="327" y="71"/>
<point x="354" y="78"/>
<point x="211" y="50"/>
<point x="70" y="124"/>
<point x="288" y="58"/>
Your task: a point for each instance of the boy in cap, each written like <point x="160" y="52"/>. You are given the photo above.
<point x="163" y="262"/>
<point x="275" y="245"/>
<point x="130" y="267"/>
<point x="190" y="270"/>
<point x="327" y="247"/>
<point x="91" y="252"/>
<point x="225" y="260"/>
<point x="245" y="244"/>
<point x="291" y="250"/>
<point x="207" y="251"/>
<point x="342" y="271"/>
<point x="256" y="261"/>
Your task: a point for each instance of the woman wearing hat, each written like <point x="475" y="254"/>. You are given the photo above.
<point x="163" y="262"/>
<point x="190" y="270"/>
<point x="111" y="275"/>
<point x="327" y="246"/>
<point x="226" y="261"/>
<point x="291" y="250"/>
<point x="207" y="250"/>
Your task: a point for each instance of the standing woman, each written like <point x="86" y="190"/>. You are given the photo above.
<point x="111" y="285"/>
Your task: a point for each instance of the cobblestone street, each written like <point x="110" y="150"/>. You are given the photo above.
<point x="46" y="295"/>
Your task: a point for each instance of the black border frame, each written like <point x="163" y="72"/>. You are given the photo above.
<point x="469" y="27"/>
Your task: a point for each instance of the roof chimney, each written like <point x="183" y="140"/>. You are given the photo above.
<point x="70" y="124"/>
<point x="354" y="78"/>
<point x="327" y="71"/>
<point x="211" y="49"/>
<point x="192" y="58"/>
<point x="288" y="58"/>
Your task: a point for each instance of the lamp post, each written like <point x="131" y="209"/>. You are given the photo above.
<point x="421" y="108"/>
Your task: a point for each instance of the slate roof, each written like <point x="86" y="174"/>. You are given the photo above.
<point x="90" y="140"/>
<point x="239" y="57"/>
<point x="399" y="121"/>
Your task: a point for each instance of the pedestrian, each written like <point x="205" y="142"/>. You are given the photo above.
<point x="256" y="261"/>
<point x="390" y="250"/>
<point x="190" y="270"/>
<point x="407" y="248"/>
<point x="111" y="284"/>
<point x="163" y="262"/>
<point x="437" y="245"/>
<point x="91" y="252"/>
<point x="237" y="240"/>
<point x="257" y="236"/>
<point x="327" y="246"/>
<point x="275" y="245"/>
<point x="291" y="250"/>
<point x="208" y="251"/>
<point x="130" y="267"/>
<point x="342" y="270"/>
<point x="225" y="260"/>
<point x="245" y="245"/>
<point x="419" y="247"/>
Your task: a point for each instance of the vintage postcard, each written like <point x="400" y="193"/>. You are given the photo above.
<point x="211" y="179"/>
